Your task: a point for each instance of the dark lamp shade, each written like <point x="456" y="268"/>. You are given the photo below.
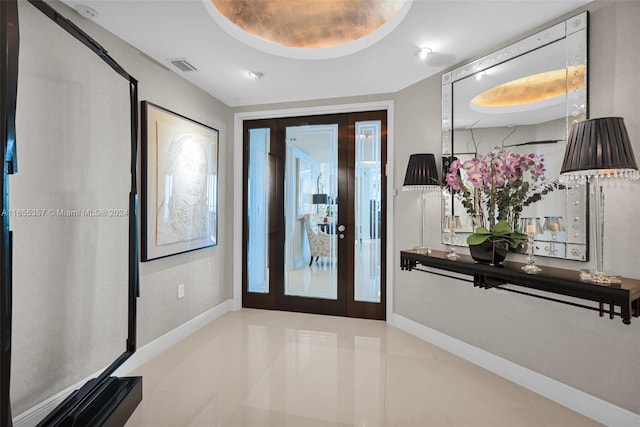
<point x="320" y="199"/>
<point x="598" y="145"/>
<point x="421" y="172"/>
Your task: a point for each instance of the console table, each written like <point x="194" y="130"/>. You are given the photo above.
<point x="625" y="295"/>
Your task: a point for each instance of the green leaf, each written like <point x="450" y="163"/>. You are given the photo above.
<point x="501" y="231"/>
<point x="477" y="239"/>
<point x="482" y="230"/>
<point x="502" y="227"/>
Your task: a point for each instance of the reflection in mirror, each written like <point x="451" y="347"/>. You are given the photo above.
<point x="523" y="99"/>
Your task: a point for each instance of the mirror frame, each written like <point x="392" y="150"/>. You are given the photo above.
<point x="575" y="31"/>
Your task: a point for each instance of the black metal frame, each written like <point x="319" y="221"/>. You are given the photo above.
<point x="9" y="47"/>
<point x="625" y="295"/>
<point x="104" y="399"/>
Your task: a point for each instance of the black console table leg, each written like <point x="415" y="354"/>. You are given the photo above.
<point x="612" y="312"/>
<point x="601" y="307"/>
<point x="625" y="312"/>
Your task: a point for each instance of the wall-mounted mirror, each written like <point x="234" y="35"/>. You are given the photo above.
<point x="523" y="98"/>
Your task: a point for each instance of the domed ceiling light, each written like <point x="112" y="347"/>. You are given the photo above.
<point x="308" y="25"/>
<point x="531" y="89"/>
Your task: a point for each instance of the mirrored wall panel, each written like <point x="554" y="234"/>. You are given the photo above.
<point x="519" y="102"/>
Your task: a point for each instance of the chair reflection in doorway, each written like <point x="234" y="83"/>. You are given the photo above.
<point x="321" y="244"/>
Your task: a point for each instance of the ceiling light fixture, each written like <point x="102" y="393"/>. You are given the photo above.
<point x="256" y="75"/>
<point x="308" y="29"/>
<point x="86" y="11"/>
<point x="424" y="52"/>
<point x="309" y="24"/>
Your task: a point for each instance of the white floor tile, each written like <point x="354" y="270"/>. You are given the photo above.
<point x="273" y="368"/>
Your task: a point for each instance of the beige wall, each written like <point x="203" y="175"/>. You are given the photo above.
<point x="571" y="345"/>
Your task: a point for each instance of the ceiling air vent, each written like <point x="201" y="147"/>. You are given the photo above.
<point x="182" y="65"/>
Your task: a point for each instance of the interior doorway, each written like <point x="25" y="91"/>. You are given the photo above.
<point x="314" y="214"/>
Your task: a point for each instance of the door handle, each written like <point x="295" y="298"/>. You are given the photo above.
<point x="341" y="227"/>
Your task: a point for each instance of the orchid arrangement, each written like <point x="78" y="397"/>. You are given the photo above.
<point x="496" y="189"/>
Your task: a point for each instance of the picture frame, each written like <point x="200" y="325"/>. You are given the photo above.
<point x="179" y="183"/>
<point x="304" y="185"/>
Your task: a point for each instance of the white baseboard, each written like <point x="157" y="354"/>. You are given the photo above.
<point x="157" y="346"/>
<point x="579" y="401"/>
<point x="33" y="416"/>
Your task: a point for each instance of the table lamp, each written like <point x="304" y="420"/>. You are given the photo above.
<point x="320" y="199"/>
<point x="422" y="176"/>
<point x="599" y="148"/>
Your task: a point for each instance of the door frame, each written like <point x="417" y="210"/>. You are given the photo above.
<point x="238" y="152"/>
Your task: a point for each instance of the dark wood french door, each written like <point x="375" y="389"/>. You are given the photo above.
<point x="314" y="214"/>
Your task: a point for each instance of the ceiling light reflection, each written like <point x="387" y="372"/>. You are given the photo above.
<point x="534" y="88"/>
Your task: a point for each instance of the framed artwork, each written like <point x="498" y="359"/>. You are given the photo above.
<point x="304" y="185"/>
<point x="179" y="183"/>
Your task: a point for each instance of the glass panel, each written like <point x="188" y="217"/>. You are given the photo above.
<point x="311" y="190"/>
<point x="367" y="211"/>
<point x="258" y="218"/>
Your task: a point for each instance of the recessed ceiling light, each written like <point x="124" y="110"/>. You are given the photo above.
<point x="86" y="11"/>
<point x="424" y="52"/>
<point x="256" y="75"/>
<point x="480" y="76"/>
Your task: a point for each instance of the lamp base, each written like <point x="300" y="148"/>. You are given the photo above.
<point x="600" y="277"/>
<point x="531" y="269"/>
<point x="422" y="250"/>
<point x="452" y="255"/>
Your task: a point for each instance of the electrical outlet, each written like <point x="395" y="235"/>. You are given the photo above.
<point x="181" y="290"/>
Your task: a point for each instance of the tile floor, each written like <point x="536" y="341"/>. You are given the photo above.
<point x="271" y="368"/>
<point x="320" y="279"/>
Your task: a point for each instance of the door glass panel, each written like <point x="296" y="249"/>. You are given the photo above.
<point x="367" y="213"/>
<point x="311" y="190"/>
<point x="257" y="205"/>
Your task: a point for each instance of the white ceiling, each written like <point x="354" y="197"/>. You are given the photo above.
<point x="454" y="30"/>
